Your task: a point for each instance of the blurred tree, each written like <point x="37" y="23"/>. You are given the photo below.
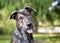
<point x="43" y="15"/>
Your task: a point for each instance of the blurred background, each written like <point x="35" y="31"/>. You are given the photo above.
<point x="46" y="23"/>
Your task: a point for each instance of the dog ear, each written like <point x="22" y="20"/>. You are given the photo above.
<point x="30" y="9"/>
<point x="13" y="15"/>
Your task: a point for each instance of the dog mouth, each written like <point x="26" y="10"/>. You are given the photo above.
<point x="30" y="31"/>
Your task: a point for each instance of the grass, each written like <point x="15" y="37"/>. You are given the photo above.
<point x="4" y="41"/>
<point x="39" y="38"/>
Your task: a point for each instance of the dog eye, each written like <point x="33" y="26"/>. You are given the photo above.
<point x="28" y="15"/>
<point x="21" y="18"/>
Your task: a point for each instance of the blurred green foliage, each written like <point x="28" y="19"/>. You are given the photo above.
<point x="8" y="6"/>
<point x="38" y="39"/>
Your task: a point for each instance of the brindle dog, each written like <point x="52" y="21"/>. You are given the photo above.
<point x="24" y="26"/>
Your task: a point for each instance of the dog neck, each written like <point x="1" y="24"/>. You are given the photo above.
<point x="23" y="36"/>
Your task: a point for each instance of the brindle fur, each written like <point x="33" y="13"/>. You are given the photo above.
<point x="23" y="18"/>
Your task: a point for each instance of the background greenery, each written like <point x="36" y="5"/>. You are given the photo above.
<point x="43" y="15"/>
<point x="37" y="38"/>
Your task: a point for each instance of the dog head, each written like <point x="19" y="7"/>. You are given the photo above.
<point x="23" y="19"/>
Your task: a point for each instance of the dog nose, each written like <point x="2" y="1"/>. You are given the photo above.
<point x="29" y="25"/>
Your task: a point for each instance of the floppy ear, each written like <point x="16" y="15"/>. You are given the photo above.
<point x="30" y="9"/>
<point x="34" y="10"/>
<point x="13" y="16"/>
